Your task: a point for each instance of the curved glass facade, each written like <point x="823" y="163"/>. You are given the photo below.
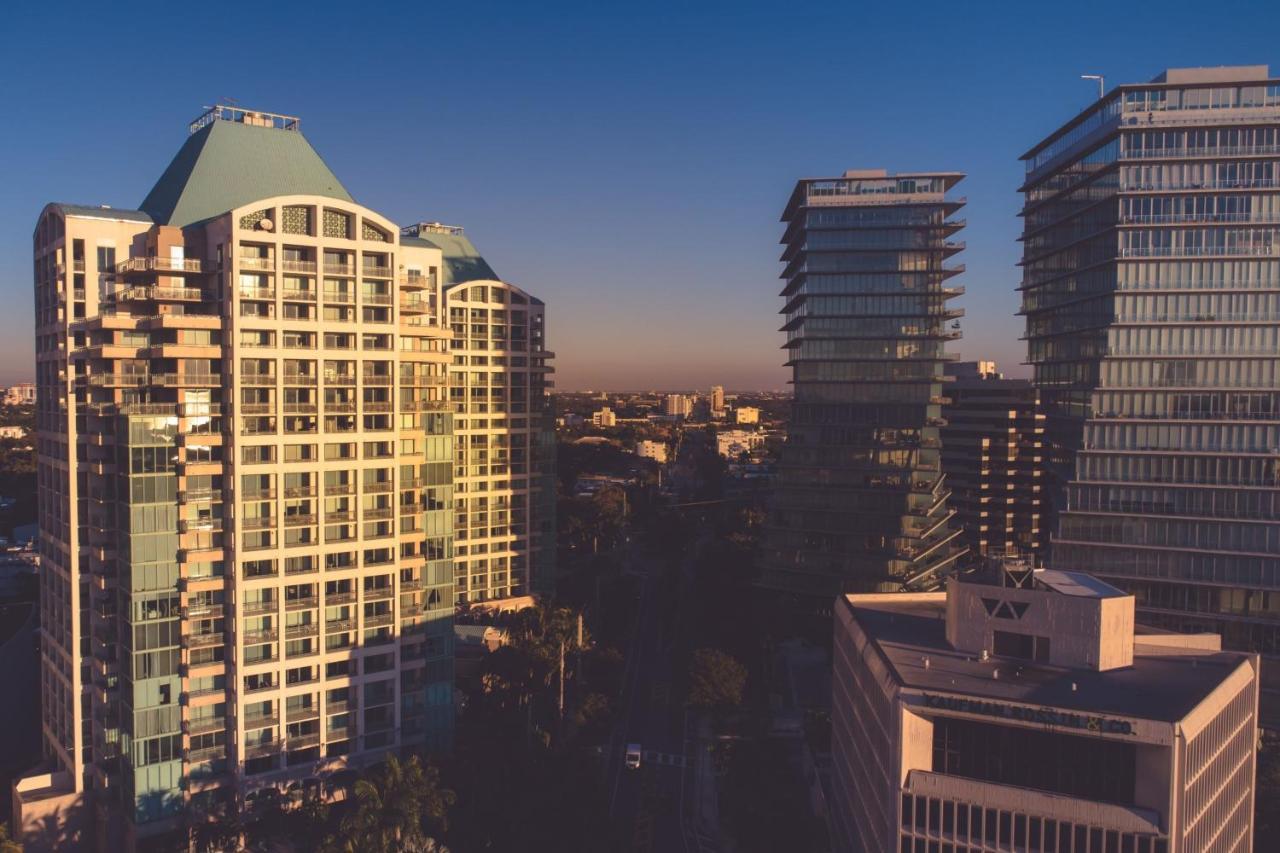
<point x="860" y="501"/>
<point x="1151" y="289"/>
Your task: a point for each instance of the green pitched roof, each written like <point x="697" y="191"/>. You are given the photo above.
<point x="462" y="262"/>
<point x="227" y="164"/>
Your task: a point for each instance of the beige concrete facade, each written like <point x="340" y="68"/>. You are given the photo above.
<point x="246" y="503"/>
<point x="503" y="444"/>
<point x="1110" y="744"/>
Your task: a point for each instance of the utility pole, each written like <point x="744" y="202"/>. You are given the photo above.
<point x="562" y="686"/>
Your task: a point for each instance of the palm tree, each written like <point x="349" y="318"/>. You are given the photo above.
<point x="392" y="803"/>
<point x="7" y="844"/>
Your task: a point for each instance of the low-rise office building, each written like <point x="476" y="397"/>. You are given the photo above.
<point x="655" y="450"/>
<point x="1019" y="711"/>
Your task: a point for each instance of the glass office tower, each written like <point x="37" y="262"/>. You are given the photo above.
<point x="1151" y="289"/>
<point x="860" y="502"/>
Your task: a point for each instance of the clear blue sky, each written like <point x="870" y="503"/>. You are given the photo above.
<point x="627" y="163"/>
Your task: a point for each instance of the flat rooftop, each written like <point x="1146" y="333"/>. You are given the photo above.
<point x="1164" y="685"/>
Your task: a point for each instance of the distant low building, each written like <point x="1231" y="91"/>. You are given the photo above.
<point x="605" y="417"/>
<point x="732" y="443"/>
<point x="677" y="406"/>
<point x="22" y="394"/>
<point x="655" y="450"/>
<point x="589" y="484"/>
<point x="746" y="415"/>
<point x="12" y="432"/>
<point x="569" y="419"/>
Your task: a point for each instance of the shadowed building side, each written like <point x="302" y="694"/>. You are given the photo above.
<point x="860" y="500"/>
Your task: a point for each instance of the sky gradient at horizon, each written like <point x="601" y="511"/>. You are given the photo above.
<point x="626" y="164"/>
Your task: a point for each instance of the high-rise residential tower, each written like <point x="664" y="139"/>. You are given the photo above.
<point x="993" y="456"/>
<point x="717" y="401"/>
<point x="860" y="500"/>
<point x="1151" y="288"/>
<point x="504" y="431"/>
<point x="245" y="486"/>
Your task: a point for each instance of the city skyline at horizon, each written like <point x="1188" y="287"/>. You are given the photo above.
<point x="583" y="179"/>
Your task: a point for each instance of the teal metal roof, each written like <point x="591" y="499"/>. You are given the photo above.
<point x="462" y="262"/>
<point x="228" y="164"/>
<point x="101" y="211"/>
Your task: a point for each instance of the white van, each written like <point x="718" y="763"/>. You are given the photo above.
<point x="632" y="759"/>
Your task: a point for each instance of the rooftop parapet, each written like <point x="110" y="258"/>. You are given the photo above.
<point x="255" y="118"/>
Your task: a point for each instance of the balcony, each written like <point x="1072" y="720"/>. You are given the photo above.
<point x="416" y="282"/>
<point x="258" y="750"/>
<point x="339" y="297"/>
<point x="303" y="741"/>
<point x="297" y="294"/>
<point x="262" y="635"/>
<point x="257" y="523"/>
<point x="288" y="265"/>
<point x="261" y="721"/>
<point x="201" y="641"/>
<point x="377" y="408"/>
<point x="292" y="378"/>
<point x="154" y="263"/>
<point x="379" y="620"/>
<point x="339" y="489"/>
<point x="202" y="611"/>
<point x="294" y="632"/>
<point x="339" y="269"/>
<point x="257" y="263"/>
<point x="251" y="608"/>
<point x="376" y="299"/>
<point x="338" y="626"/>
<point x="378" y="486"/>
<point x="152" y="293"/>
<point x="375" y="593"/>
<point x="204" y="725"/>
<point x="376" y="379"/>
<point x="263" y="293"/>
<point x="300" y="408"/>
<point x="333" y="598"/>
<point x="414" y="306"/>
<point x="375" y="271"/>
<point x="257" y="379"/>
<point x="300" y="603"/>
<point x="208" y="753"/>
<point x="299" y="491"/>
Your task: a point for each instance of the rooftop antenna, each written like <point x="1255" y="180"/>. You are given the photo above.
<point x="1102" y="83"/>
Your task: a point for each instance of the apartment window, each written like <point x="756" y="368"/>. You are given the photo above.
<point x="258" y="454"/>
<point x="299" y="453"/>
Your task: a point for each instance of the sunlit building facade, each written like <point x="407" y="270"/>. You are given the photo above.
<point x="1022" y="711"/>
<point x="860" y="500"/>
<point x="504" y="430"/>
<point x="1151" y="289"/>
<point x="245" y="489"/>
